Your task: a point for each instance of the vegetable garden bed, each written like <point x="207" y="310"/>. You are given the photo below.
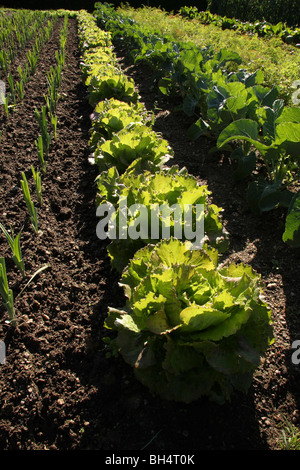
<point x="59" y="389"/>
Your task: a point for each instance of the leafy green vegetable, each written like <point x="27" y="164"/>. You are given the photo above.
<point x="109" y="82"/>
<point x="230" y="99"/>
<point x="111" y="116"/>
<point x="129" y="144"/>
<point x="101" y="73"/>
<point x="292" y="224"/>
<point x="190" y="328"/>
<point x="156" y="207"/>
<point x="275" y="134"/>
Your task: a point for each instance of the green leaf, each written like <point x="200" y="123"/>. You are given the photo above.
<point x="237" y="105"/>
<point x="189" y="105"/>
<point x="288" y="132"/>
<point x="180" y="358"/>
<point x="197" y="129"/>
<point x="165" y="85"/>
<point x="265" y="96"/>
<point x="230" y="326"/>
<point x="268" y="118"/>
<point x="149" y="304"/>
<point x="264" y="196"/>
<point x="198" y="318"/>
<point x="255" y="78"/>
<point x="126" y="321"/>
<point x="289" y="114"/>
<point x="291" y="234"/>
<point x="226" y="55"/>
<point x="158" y="323"/>
<point x="242" y="129"/>
<point x="246" y="163"/>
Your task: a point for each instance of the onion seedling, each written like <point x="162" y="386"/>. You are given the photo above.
<point x="38" y="184"/>
<point x="61" y="56"/>
<point x="54" y="124"/>
<point x="50" y="104"/>
<point x="24" y="73"/>
<point x="32" y="59"/>
<point x="11" y="86"/>
<point x="20" y="90"/>
<point x="6" y="292"/>
<point x="5" y="102"/>
<point x="14" y="243"/>
<point x="44" y="129"/>
<point x="30" y="206"/>
<point x="54" y="81"/>
<point x="3" y="61"/>
<point x="11" y="53"/>
<point x="40" y="149"/>
<point x="37" y="44"/>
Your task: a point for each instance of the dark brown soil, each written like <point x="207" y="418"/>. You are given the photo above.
<point x="59" y="390"/>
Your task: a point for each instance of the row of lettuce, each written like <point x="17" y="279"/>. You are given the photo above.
<point x="189" y="327"/>
<point x="262" y="28"/>
<point x="232" y="107"/>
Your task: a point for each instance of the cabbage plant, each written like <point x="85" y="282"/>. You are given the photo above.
<point x="190" y="328"/>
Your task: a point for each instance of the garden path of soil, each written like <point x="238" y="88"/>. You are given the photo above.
<point x="59" y="390"/>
